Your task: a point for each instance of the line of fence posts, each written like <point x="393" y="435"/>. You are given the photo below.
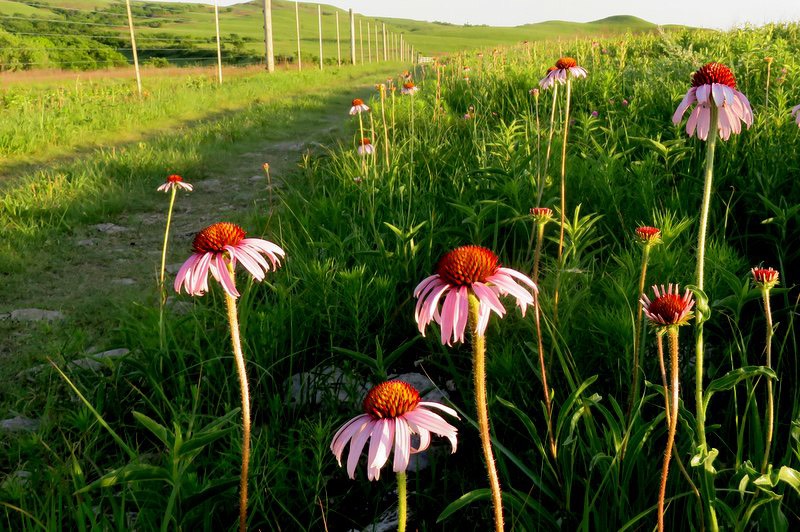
<point x="394" y="45"/>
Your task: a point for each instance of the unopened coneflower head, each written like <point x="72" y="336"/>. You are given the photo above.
<point x="409" y="88"/>
<point x="393" y="411"/>
<point x="365" y="146"/>
<point x="796" y="114"/>
<point x="765" y="277"/>
<point x="541" y="215"/>
<point x="648" y="235"/>
<point x="534" y="92"/>
<point x="174" y="181"/>
<point x="221" y="244"/>
<point x="358" y="106"/>
<point x="668" y="308"/>
<point x="566" y="66"/>
<point x="463" y="271"/>
<point x="714" y="84"/>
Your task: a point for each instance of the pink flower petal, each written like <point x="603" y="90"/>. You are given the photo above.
<point x="345" y="433"/>
<point x="357" y="445"/>
<point x="688" y="100"/>
<point x="379" y="447"/>
<point x="402" y="445"/>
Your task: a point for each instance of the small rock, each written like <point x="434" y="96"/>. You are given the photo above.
<point x="313" y="386"/>
<point x="87" y="242"/>
<point x="109" y="228"/>
<point x="208" y="184"/>
<point x="386" y="522"/>
<point x="424" y="386"/>
<point x="258" y="177"/>
<point x="180" y="307"/>
<point x="173" y="268"/>
<point x="34" y="314"/>
<point x="19" y="424"/>
<point x="95" y="362"/>
<point x="125" y="282"/>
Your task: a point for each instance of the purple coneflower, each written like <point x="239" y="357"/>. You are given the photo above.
<point x="175" y="182"/>
<point x="365" y="146"/>
<point x="714" y="84"/>
<point x="219" y="245"/>
<point x="465" y="270"/>
<point x="796" y="114"/>
<point x="393" y="412"/>
<point x="358" y="107"/>
<point x="564" y="67"/>
<point x="668" y="308"/>
<point x="409" y="88"/>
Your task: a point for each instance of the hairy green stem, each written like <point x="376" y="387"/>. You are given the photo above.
<point x="708" y="481"/>
<point x="402" y="502"/>
<point x="673" y="422"/>
<point x="637" y="335"/>
<point x="543" y="370"/>
<point x="479" y="374"/>
<point x="241" y="370"/>
<point x="161" y="288"/>
<point x="770" y="395"/>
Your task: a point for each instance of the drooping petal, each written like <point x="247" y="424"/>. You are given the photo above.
<point x="688" y="100"/>
<point x="345" y="433"/>
<point x="463" y="313"/>
<point x="221" y="274"/>
<point x="379" y="447"/>
<point x="718" y="94"/>
<point x="703" y="121"/>
<point x="425" y="419"/>
<point x="702" y="93"/>
<point x="357" y="445"/>
<point x="439" y="406"/>
<point x="449" y="315"/>
<point x="185" y="273"/>
<point x="402" y="445"/>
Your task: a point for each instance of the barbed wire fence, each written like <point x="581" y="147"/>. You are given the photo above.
<point x="119" y="33"/>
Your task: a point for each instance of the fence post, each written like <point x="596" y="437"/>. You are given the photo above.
<point x="369" y="43"/>
<point x="297" y="22"/>
<point x="268" y="49"/>
<point x="133" y="47"/>
<point x="352" y="38"/>
<point x="319" y="18"/>
<point x="219" y="46"/>
<point x="385" y="50"/>
<point x="338" y="42"/>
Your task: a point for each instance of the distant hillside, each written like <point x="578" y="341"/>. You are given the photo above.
<point x="94" y="33"/>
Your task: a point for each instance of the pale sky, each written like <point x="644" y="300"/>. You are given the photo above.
<point x="704" y="13"/>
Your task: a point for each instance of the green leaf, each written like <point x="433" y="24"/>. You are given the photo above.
<point x="158" y="430"/>
<point x="733" y="377"/>
<point x="129" y="473"/>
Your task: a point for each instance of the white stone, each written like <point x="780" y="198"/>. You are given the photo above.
<point x="19" y="424"/>
<point x="109" y="228"/>
<point x="34" y="314"/>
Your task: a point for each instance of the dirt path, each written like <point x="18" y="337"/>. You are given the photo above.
<point x="117" y="262"/>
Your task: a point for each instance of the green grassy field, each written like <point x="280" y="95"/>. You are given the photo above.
<point x="194" y="25"/>
<point x="153" y="440"/>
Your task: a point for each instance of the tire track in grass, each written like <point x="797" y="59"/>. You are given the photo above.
<point x="93" y="277"/>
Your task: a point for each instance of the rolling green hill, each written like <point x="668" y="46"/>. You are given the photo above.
<point x="185" y="32"/>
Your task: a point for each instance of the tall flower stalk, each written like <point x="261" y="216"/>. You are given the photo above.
<point x="648" y="237"/>
<point x="469" y="280"/>
<point x="720" y="111"/>
<point x="565" y="69"/>
<point x="173" y="183"/>
<point x="217" y="249"/>
<point x="667" y="311"/>
<point x="766" y="279"/>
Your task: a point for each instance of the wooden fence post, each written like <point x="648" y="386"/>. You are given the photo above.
<point x="338" y="42"/>
<point x="133" y="47"/>
<point x="219" y="46"/>
<point x="268" y="49"/>
<point x="352" y="38"/>
<point x="297" y="22"/>
<point x="319" y="18"/>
